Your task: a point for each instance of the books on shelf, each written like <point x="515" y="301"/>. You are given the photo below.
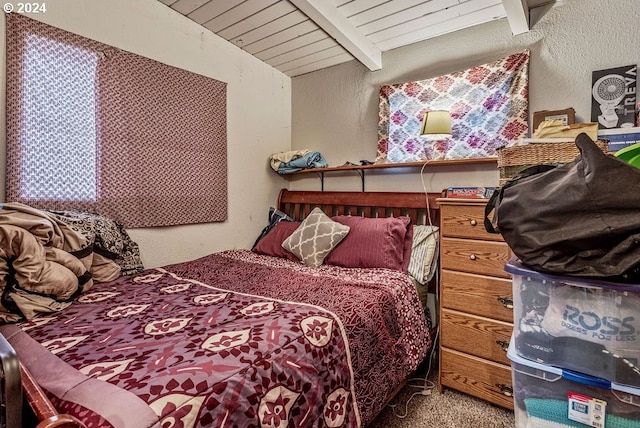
<point x="480" y="192"/>
<point x="619" y="138"/>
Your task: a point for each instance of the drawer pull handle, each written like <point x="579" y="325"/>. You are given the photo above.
<point x="472" y="257"/>
<point x="473" y="222"/>
<point x="506" y="390"/>
<point x="507" y="302"/>
<point x="504" y="345"/>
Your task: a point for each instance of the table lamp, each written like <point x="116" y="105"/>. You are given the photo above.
<point x="436" y="122"/>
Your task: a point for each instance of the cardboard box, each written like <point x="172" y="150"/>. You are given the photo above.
<point x="567" y="116"/>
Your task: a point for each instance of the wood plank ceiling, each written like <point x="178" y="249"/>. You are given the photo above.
<point x="301" y="36"/>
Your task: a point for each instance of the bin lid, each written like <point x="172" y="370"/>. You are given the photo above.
<point x="571" y="375"/>
<point x="516" y="267"/>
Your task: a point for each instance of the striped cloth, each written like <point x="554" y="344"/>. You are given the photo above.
<point x="424" y="253"/>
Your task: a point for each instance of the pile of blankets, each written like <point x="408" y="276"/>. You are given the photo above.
<point x="48" y="258"/>
<point x="296" y="160"/>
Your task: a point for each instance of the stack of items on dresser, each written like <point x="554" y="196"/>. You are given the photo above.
<point x="574" y="230"/>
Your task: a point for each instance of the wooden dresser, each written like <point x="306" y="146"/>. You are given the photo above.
<point x="476" y="304"/>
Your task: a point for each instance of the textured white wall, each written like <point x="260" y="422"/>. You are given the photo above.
<point x="335" y="110"/>
<point x="258" y="108"/>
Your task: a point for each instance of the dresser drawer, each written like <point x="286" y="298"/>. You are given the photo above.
<point x="479" y="336"/>
<point x="465" y="221"/>
<point x="481" y="378"/>
<point x="477" y="294"/>
<point x="473" y="256"/>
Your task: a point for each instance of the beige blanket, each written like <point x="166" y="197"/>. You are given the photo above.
<point x="44" y="263"/>
<point x="277" y="158"/>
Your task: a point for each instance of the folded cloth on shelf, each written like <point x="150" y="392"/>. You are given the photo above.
<point x="283" y="157"/>
<point x="296" y="160"/>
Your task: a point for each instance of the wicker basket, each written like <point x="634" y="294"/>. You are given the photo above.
<point x="512" y="160"/>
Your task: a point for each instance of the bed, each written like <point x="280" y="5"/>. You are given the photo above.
<point x="251" y="338"/>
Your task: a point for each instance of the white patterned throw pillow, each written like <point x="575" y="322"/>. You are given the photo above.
<point x="314" y="239"/>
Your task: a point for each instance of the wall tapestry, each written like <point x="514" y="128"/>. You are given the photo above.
<point x="94" y="128"/>
<point x="488" y="105"/>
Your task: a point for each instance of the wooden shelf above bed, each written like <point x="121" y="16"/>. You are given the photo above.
<point x="443" y="162"/>
<point x="360" y="169"/>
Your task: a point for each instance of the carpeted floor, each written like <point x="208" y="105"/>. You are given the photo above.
<point x="451" y="409"/>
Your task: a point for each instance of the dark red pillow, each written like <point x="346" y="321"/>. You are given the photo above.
<point x="374" y="243"/>
<point x="271" y="244"/>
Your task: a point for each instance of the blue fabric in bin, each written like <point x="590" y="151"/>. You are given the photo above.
<point x="557" y="411"/>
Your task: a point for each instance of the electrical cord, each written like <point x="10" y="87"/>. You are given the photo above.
<point x="425" y="386"/>
<point x="426" y="194"/>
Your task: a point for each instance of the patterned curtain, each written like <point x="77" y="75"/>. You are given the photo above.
<point x="93" y="128"/>
<point x="488" y="105"/>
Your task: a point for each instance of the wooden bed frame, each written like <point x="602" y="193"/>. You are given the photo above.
<point x="421" y="208"/>
<point x="416" y="205"/>
<point x="297" y="204"/>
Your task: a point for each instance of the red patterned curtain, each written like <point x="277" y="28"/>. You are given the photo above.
<point x="91" y="127"/>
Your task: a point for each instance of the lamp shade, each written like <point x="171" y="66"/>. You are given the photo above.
<point x="436" y="122"/>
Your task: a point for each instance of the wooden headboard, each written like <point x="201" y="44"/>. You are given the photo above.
<point x="297" y="204"/>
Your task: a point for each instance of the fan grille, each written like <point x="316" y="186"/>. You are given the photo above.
<point x="610" y="88"/>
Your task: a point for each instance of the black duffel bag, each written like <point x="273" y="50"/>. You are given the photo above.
<point x="581" y="218"/>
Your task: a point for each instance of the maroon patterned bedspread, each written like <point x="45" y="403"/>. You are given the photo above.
<point x="379" y="308"/>
<point x="232" y="339"/>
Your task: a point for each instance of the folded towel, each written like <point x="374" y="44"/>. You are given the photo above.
<point x="557" y="411"/>
<point x="288" y="162"/>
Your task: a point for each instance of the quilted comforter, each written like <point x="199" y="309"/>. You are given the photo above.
<point x="47" y="258"/>
<point x="234" y="339"/>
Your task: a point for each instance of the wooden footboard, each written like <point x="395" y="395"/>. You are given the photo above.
<point x="18" y="385"/>
<point x="42" y="407"/>
<point x="11" y="387"/>
<point x="416" y="205"/>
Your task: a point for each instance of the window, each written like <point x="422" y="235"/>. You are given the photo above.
<point x="94" y="128"/>
<point x="60" y="147"/>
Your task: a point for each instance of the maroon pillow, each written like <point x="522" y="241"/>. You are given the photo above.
<point x="271" y="244"/>
<point x="374" y="243"/>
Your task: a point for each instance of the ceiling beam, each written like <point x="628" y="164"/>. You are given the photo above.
<point x="518" y="15"/>
<point x="327" y="17"/>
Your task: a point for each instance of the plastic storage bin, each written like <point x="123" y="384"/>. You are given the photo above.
<point x="550" y="397"/>
<point x="589" y="326"/>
